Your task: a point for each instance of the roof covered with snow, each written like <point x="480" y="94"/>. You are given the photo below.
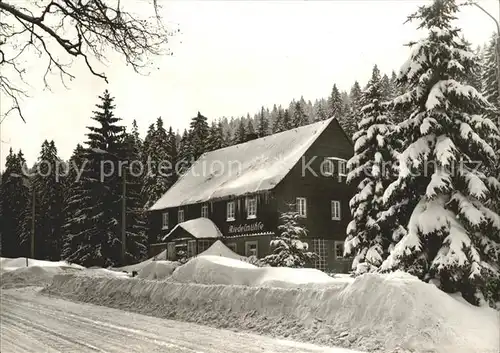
<point x="250" y="167"/>
<point x="220" y="249"/>
<point x="200" y="228"/>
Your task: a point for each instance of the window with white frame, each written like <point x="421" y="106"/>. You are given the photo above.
<point x="327" y="167"/>
<point x="335" y="210"/>
<point x="204" y="211"/>
<point x="339" y="249"/>
<point x="191" y="248"/>
<point x="180" y="216"/>
<point x="231" y="211"/>
<point x="251" y="207"/>
<point x="342" y="166"/>
<point x="203" y="245"/>
<point x="164" y="220"/>
<point x="251" y="248"/>
<point x="233" y="247"/>
<point x="319" y="247"/>
<point x="301" y="203"/>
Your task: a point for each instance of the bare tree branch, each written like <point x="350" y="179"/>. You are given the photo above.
<point x="87" y="30"/>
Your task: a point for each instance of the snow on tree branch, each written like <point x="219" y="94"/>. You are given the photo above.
<point x="85" y="30"/>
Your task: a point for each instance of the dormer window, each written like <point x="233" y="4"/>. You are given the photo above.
<point x="180" y="216"/>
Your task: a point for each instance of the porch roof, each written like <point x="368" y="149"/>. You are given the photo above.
<point x="199" y="228"/>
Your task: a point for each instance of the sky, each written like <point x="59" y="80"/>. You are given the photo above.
<point x="230" y="58"/>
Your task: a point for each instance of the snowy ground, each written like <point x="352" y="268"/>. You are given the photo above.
<point x="393" y="313"/>
<point x="33" y="323"/>
<point x="389" y="314"/>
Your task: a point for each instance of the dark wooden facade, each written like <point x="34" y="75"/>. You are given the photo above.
<point x="306" y="180"/>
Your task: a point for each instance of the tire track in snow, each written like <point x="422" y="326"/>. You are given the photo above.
<point x="34" y="323"/>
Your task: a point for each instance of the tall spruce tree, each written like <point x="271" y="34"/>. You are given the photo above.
<point x="385" y="85"/>
<point x="240" y="135"/>
<point x="93" y="234"/>
<point x="73" y="221"/>
<point x="215" y="136"/>
<point x="354" y="112"/>
<point x="47" y="184"/>
<point x="335" y="103"/>
<point x="250" y="131"/>
<point x="160" y="172"/>
<point x="199" y="135"/>
<point x="263" y="126"/>
<point x="185" y="153"/>
<point x="299" y="116"/>
<point x="173" y="152"/>
<point x="320" y="110"/>
<point x="14" y="197"/>
<point x="370" y="169"/>
<point x="278" y="122"/>
<point x="489" y="75"/>
<point x="287" y="120"/>
<point x="453" y="235"/>
<point x="489" y="85"/>
<point x="136" y="238"/>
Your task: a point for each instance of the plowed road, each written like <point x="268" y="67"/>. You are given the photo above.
<point x="34" y="323"/>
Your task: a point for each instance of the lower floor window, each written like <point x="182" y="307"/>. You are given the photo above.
<point x="339" y="249"/>
<point x="191" y="248"/>
<point x="233" y="247"/>
<point x="203" y="245"/>
<point x="251" y="248"/>
<point x="171" y="251"/>
<point x="319" y="247"/>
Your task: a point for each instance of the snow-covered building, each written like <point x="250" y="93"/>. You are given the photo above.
<point x="236" y="194"/>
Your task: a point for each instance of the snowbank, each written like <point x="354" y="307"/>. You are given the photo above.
<point x="210" y="269"/>
<point x="103" y="272"/>
<point x="8" y="264"/>
<point x="377" y="313"/>
<point x="158" y="270"/>
<point x="31" y="276"/>
<point x="14" y="272"/>
<point x="219" y="249"/>
<point x="139" y="266"/>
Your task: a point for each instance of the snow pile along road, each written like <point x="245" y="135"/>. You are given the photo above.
<point x="35" y="276"/>
<point x="158" y="270"/>
<point x="8" y="264"/>
<point x="220" y="249"/>
<point x="209" y="269"/>
<point x="139" y="266"/>
<point x="393" y="313"/>
<point x="14" y="273"/>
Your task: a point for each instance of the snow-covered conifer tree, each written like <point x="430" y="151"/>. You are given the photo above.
<point x="240" y="135"/>
<point x="288" y="248"/>
<point x="299" y="116"/>
<point x="199" y="132"/>
<point x="371" y="169"/>
<point x="14" y="197"/>
<point x="278" y="122"/>
<point x="263" y="125"/>
<point x="453" y="237"/>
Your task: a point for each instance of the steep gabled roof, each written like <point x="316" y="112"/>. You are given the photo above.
<point x="250" y="167"/>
